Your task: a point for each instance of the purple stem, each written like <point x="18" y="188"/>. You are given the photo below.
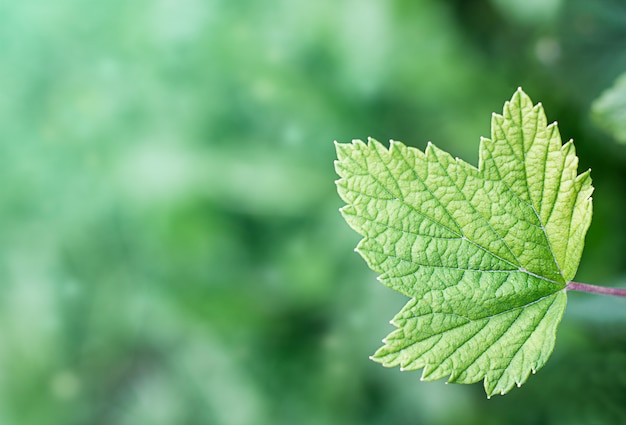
<point x="585" y="287"/>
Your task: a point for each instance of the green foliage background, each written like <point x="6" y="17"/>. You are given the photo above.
<point x="171" y="250"/>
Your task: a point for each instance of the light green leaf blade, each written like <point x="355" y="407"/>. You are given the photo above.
<point x="609" y="110"/>
<point x="484" y="253"/>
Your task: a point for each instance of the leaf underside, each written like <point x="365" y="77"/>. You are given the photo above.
<point x="484" y="253"/>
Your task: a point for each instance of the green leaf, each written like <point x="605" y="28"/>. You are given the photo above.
<point x="609" y="110"/>
<point x="484" y="253"/>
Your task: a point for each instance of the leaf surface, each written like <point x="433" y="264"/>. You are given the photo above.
<point x="484" y="253"/>
<point x="609" y="110"/>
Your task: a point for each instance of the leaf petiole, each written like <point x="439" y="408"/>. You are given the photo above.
<point x="594" y="289"/>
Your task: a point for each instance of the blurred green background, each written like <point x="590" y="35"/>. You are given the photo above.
<point x="171" y="250"/>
